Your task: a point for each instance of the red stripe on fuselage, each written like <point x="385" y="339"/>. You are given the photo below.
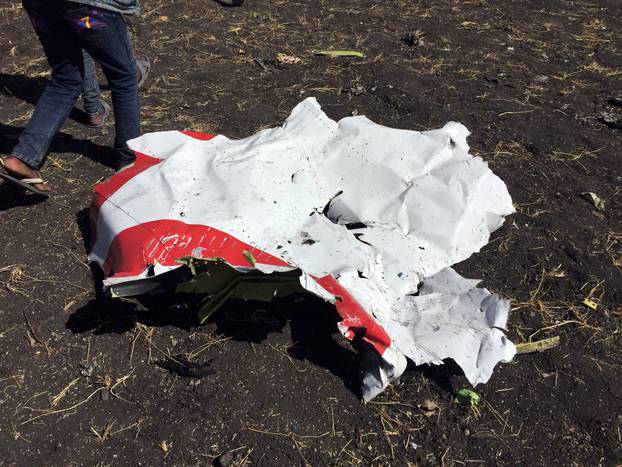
<point x="165" y="241"/>
<point x="103" y="191"/>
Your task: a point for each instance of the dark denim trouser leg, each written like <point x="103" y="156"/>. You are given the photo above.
<point x="112" y="49"/>
<point x="65" y="29"/>
<point x="90" y="94"/>
<point x="59" y="96"/>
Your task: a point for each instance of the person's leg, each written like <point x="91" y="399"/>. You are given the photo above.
<point x="95" y="108"/>
<point x="110" y="46"/>
<point x="143" y="67"/>
<point x="58" y="97"/>
<point x="90" y="95"/>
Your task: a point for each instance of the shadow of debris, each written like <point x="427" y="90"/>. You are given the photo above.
<point x="311" y="321"/>
<point x="84" y="224"/>
<point x="312" y="324"/>
<point x="106" y="315"/>
<point x="443" y="376"/>
<point x="181" y="366"/>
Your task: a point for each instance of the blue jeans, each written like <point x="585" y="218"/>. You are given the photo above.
<point x="90" y="94"/>
<point x="65" y="29"/>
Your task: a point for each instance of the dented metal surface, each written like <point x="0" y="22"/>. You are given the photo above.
<point x="371" y="216"/>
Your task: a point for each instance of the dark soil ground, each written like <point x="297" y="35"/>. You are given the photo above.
<point x="89" y="381"/>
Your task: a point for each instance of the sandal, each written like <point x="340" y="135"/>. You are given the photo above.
<point x="26" y="183"/>
<point x="143" y="67"/>
<point x="104" y="113"/>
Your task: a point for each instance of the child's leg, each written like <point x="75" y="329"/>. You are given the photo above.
<point x="90" y="95"/>
<point x="107" y="41"/>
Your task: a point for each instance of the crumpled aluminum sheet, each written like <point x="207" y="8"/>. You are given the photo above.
<point x="372" y="216"/>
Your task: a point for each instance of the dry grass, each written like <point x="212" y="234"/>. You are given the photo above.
<point x="603" y="70"/>
<point x="557" y="314"/>
<point x="613" y="248"/>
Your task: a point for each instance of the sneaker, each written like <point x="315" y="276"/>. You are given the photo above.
<point x="143" y="67"/>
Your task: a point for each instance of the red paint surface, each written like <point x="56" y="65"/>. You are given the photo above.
<point x="355" y="318"/>
<point x="197" y="135"/>
<point x="165" y="241"/>
<point x="106" y="189"/>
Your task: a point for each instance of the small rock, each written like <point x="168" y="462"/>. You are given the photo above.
<point x="429" y="406"/>
<point x="86" y="370"/>
<point x="414" y="39"/>
<point x="598" y="203"/>
<point x="612" y="119"/>
<point x="225" y="460"/>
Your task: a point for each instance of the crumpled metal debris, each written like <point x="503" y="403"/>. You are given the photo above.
<point x="371" y="217"/>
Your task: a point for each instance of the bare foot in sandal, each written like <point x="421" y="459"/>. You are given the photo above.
<point x="20" y="172"/>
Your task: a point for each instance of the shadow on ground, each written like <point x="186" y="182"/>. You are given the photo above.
<point x="311" y="322"/>
<point x="12" y="196"/>
<point x="29" y="89"/>
<point x="62" y="143"/>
